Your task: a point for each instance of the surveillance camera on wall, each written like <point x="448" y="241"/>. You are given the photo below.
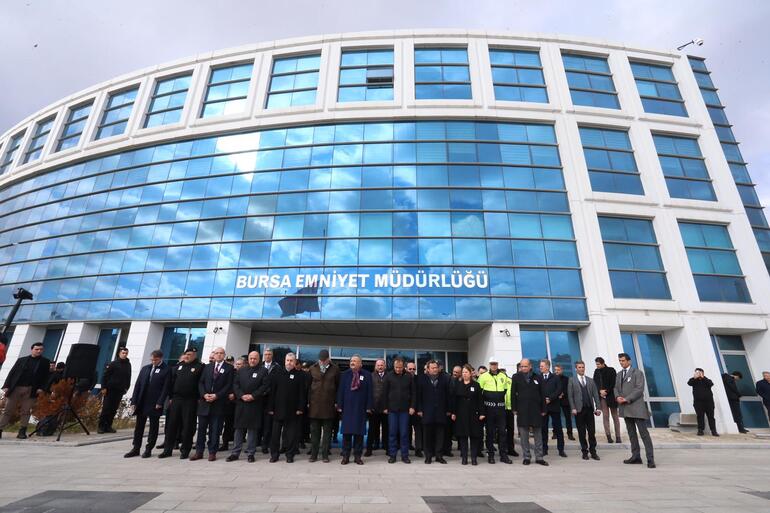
<point x="698" y="41"/>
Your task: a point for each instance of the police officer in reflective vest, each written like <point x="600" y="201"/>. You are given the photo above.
<point x="494" y="387"/>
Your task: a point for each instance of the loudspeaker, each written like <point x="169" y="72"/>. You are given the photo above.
<point x="81" y="362"/>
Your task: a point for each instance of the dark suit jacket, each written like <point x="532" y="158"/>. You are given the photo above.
<point x="731" y="387"/>
<point x="552" y="389"/>
<point x="221" y="385"/>
<point x="288" y="393"/>
<point x="528" y="400"/>
<point x="151" y="392"/>
<point x="433" y="401"/>
<point x="38" y="381"/>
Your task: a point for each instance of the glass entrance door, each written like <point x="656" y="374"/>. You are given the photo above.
<point x="731" y="356"/>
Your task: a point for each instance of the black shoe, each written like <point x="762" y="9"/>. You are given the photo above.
<point x="325" y="459"/>
<point x="571" y="437"/>
<point x="132" y="453"/>
<point x="700" y="433"/>
<point x="22" y="434"/>
<point x="161" y="446"/>
<point x="164" y="454"/>
<point x="744" y="430"/>
<point x="392" y="459"/>
<point x="289" y="459"/>
<point x="618" y="441"/>
<point x="650" y="464"/>
<point x="609" y="440"/>
<point x="553" y="436"/>
<point x="428" y="460"/>
<point x="358" y="460"/>
<point x="406" y="460"/>
<point x="265" y="450"/>
<point x="633" y="461"/>
<point x="491" y="459"/>
<point x="232" y="457"/>
<point x="474" y="461"/>
<point x="714" y="433"/>
<point x="147" y="453"/>
<point x="224" y="447"/>
<point x="273" y="459"/>
<point x="251" y="458"/>
<point x="100" y="431"/>
<point x="441" y="460"/>
<point x="312" y="459"/>
<point x="506" y="459"/>
<point x="464" y="460"/>
<point x="585" y="455"/>
<point x="368" y="453"/>
<point x="184" y="455"/>
<point x="542" y="462"/>
<point x="562" y="454"/>
<point x="418" y="453"/>
<point x="595" y="456"/>
<point x="525" y="462"/>
<point x="345" y="460"/>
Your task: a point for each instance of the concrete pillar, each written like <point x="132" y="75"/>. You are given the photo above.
<point x="501" y="340"/>
<point x="600" y="338"/>
<point x="143" y="338"/>
<point x="77" y="333"/>
<point x="232" y="336"/>
<point x="24" y="335"/>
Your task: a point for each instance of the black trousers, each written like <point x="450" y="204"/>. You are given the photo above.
<point x="415" y="423"/>
<point x="267" y="432"/>
<point x="433" y="439"/>
<point x="448" y="434"/>
<point x="211" y="424"/>
<point x="474" y="446"/>
<point x="180" y="422"/>
<point x="586" y="424"/>
<point x="377" y="436"/>
<point x="555" y="417"/>
<point x="510" y="429"/>
<point x="152" y="436"/>
<point x="110" y="405"/>
<point x="705" y="410"/>
<point x="632" y="425"/>
<point x="567" y="412"/>
<point x="228" y="428"/>
<point x="735" y="408"/>
<point x="495" y="423"/>
<point x="354" y="443"/>
<point x="290" y="428"/>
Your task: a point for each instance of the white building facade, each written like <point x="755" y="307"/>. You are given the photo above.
<point x="586" y="198"/>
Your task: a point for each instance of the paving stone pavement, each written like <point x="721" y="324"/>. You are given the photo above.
<point x="686" y="480"/>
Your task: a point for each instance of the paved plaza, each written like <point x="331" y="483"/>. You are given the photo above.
<point x="687" y="480"/>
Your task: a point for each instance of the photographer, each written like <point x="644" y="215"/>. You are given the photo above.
<point x="703" y="400"/>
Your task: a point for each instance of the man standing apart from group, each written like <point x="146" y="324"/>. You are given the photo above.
<point x="763" y="390"/>
<point x="26" y="379"/>
<point x="115" y="383"/>
<point x="629" y="393"/>
<point x="703" y="401"/>
<point x="354" y="401"/>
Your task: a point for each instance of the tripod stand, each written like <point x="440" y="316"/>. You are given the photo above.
<point x="60" y="417"/>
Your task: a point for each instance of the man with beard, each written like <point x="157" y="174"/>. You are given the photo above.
<point x="324" y="379"/>
<point x="115" y="383"/>
<point x="250" y="387"/>
<point x="213" y="390"/>
<point x="286" y="406"/>
<point x="528" y="404"/>
<point x="183" y="404"/>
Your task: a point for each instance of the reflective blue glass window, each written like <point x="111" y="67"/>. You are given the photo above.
<point x="684" y="167"/>
<point x="441" y="73"/>
<point x="38" y="139"/>
<point x="10" y="151"/>
<point x="366" y="75"/>
<point x="517" y="75"/>
<point x="116" y="113"/>
<point x="167" y="101"/>
<point x="590" y="81"/>
<point x="610" y="161"/>
<point x="658" y="89"/>
<point x="227" y="90"/>
<point x="293" y="81"/>
<point x="77" y="117"/>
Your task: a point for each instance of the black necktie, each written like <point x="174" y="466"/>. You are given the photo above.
<point x="152" y="371"/>
<point x="623" y="377"/>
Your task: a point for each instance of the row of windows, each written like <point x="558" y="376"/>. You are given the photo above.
<point x="366" y="75"/>
<point x="342" y="307"/>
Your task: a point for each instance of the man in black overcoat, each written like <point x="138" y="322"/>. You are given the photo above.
<point x="288" y="397"/>
<point x="150" y="392"/>
<point x="528" y="404"/>
<point x="552" y="391"/>
<point x="250" y="386"/>
<point x="433" y="408"/>
<point x="213" y="388"/>
<point x="115" y="383"/>
<point x="27" y="378"/>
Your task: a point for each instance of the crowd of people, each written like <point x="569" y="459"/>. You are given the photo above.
<point x="255" y="403"/>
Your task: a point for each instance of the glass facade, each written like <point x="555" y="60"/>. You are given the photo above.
<point x="658" y="89"/>
<point x="39" y="137"/>
<point x="366" y="75"/>
<point x="117" y="113"/>
<point x="714" y="264"/>
<point x="684" y="168"/>
<point x="738" y="167"/>
<point x="610" y="161"/>
<point x="227" y="90"/>
<point x="590" y="81"/>
<point x="441" y="73"/>
<point x="176" y="339"/>
<point x="167" y="101"/>
<point x="560" y="347"/>
<point x="10" y="152"/>
<point x="74" y="126"/>
<point x="517" y="75"/>
<point x="294" y="81"/>
<point x="633" y="258"/>
<point x="408" y="220"/>
<point x="731" y="356"/>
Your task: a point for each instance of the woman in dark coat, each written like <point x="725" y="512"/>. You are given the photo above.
<point x="354" y="401"/>
<point x="467" y="413"/>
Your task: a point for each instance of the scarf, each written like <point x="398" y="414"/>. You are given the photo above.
<point x="355" y="382"/>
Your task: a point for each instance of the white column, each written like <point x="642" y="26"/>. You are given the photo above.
<point x="501" y="340"/>
<point x="24" y="335"/>
<point x="77" y="333"/>
<point x="232" y="336"/>
<point x="143" y="338"/>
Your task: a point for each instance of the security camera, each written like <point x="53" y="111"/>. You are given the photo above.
<point x="698" y="41"/>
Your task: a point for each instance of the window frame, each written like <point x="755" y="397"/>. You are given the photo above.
<point x="672" y="82"/>
<point x="441" y="48"/>
<point x="607" y="74"/>
<point x="12" y="146"/>
<point x="272" y="75"/>
<point x="36" y="136"/>
<point x="71" y="121"/>
<point x="212" y="69"/>
<point x="107" y="109"/>
<point x="514" y="50"/>
<point x="391" y="85"/>
<point x="154" y="95"/>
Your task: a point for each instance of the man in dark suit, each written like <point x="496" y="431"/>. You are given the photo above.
<point x="433" y="390"/>
<point x="267" y="420"/>
<point x="213" y="388"/>
<point x="115" y="383"/>
<point x="150" y="391"/>
<point x="703" y="401"/>
<point x="564" y="402"/>
<point x="763" y="390"/>
<point x="250" y="386"/>
<point x="27" y="378"/>
<point x="528" y="404"/>
<point x="286" y="405"/>
<point x="734" y="398"/>
<point x="584" y="405"/>
<point x="183" y="390"/>
<point x="552" y="391"/>
<point x="377" y="436"/>
<point x="629" y="393"/>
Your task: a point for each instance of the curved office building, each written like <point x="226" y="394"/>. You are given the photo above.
<point x="434" y="194"/>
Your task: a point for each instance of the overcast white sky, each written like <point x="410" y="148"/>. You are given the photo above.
<point x="52" y="48"/>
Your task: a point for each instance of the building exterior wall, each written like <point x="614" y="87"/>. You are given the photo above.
<point x="685" y="322"/>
